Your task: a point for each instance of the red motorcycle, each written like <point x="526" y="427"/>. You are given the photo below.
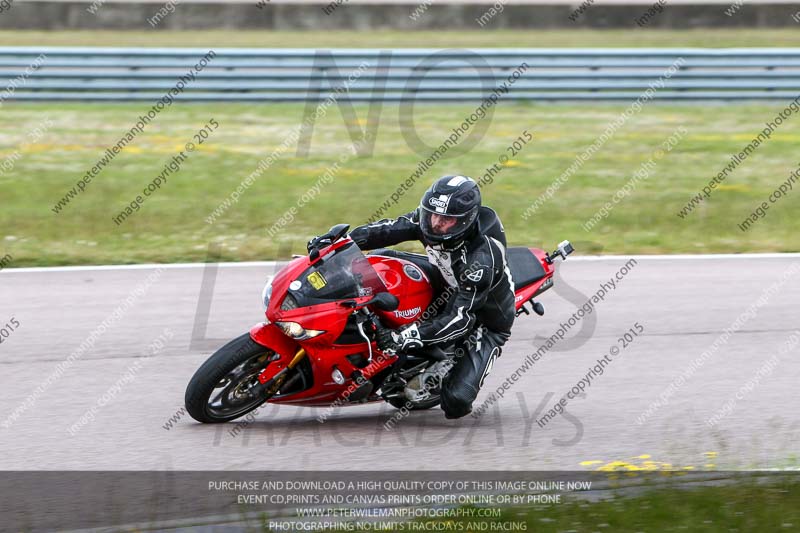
<point x="317" y="345"/>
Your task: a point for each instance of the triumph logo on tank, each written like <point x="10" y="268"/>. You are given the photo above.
<point x="407" y="313"/>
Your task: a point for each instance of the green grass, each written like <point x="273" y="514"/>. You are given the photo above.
<point x="702" y="37"/>
<point x="170" y="226"/>
<point x="743" y="506"/>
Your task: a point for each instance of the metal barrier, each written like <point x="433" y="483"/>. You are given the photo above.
<point x="238" y="74"/>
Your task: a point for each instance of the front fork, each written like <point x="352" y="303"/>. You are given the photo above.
<point x="269" y="386"/>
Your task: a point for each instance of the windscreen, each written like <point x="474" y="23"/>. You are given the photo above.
<point x="343" y="274"/>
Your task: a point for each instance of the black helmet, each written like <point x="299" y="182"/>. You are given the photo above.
<point x="449" y="210"/>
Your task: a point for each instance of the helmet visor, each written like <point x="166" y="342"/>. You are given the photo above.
<point x="442" y="227"/>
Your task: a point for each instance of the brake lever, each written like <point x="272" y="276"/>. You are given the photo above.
<point x="360" y="326"/>
<point x="373" y="319"/>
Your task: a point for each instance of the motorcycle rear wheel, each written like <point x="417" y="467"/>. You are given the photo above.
<point x="218" y="391"/>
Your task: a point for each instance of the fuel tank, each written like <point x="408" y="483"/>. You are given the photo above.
<point x="408" y="283"/>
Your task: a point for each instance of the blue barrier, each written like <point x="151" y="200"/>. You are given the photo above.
<point x="250" y="74"/>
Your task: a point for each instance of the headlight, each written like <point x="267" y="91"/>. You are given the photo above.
<point x="298" y="332"/>
<point x="289" y="303"/>
<point x="266" y="294"/>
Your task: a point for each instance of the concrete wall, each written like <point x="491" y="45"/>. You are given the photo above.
<point x="64" y="15"/>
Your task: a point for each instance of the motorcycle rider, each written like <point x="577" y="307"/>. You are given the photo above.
<point x="466" y="241"/>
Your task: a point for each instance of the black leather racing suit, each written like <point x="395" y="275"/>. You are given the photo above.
<point x="479" y="310"/>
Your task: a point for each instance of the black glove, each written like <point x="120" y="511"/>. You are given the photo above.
<point x="406" y="338"/>
<point x="385" y="340"/>
<point x="318" y="242"/>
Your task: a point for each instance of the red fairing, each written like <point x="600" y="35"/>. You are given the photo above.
<point x="523" y="294"/>
<point x="541" y="255"/>
<point x="271" y="336"/>
<point x="325" y="351"/>
<point x="409" y="283"/>
<point x="340" y="347"/>
<point x="325" y="391"/>
<point x="281" y="281"/>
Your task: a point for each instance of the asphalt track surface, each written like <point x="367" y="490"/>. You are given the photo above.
<point x="683" y="303"/>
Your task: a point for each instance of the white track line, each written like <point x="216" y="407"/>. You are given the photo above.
<point x="271" y="264"/>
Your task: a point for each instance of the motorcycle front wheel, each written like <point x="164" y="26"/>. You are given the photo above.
<point x="220" y="389"/>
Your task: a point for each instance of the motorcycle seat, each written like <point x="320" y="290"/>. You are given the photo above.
<point x="525" y="267"/>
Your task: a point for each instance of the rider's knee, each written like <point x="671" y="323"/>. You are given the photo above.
<point x="457" y="399"/>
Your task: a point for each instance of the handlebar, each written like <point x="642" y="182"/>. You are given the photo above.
<point x="378" y="328"/>
<point x="376" y="322"/>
